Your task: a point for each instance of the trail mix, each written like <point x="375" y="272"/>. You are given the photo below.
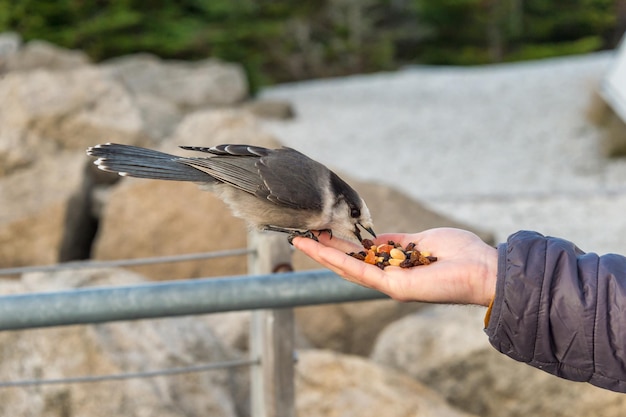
<point x="392" y="253"/>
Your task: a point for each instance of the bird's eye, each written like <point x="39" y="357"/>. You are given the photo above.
<point x="355" y="213"/>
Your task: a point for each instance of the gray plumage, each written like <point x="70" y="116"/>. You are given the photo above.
<point x="273" y="189"/>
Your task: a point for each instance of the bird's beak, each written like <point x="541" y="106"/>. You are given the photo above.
<point x="357" y="232"/>
<point x="369" y="230"/>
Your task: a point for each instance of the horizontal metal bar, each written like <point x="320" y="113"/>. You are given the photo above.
<point x="130" y="375"/>
<point x="125" y="262"/>
<point x="176" y="298"/>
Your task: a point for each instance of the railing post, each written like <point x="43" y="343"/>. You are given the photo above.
<point x="271" y="334"/>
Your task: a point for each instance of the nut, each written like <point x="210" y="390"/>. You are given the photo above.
<point x="397" y="254"/>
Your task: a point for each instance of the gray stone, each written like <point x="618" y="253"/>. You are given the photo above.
<point x="188" y="85"/>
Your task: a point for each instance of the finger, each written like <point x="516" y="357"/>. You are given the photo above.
<point x="343" y="245"/>
<point x="344" y="265"/>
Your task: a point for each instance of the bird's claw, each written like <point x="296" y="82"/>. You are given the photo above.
<point x="308" y="234"/>
<point x="297" y="233"/>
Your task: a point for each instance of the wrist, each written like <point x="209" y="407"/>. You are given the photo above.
<point x="489" y="277"/>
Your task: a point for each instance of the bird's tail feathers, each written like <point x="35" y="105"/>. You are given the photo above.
<point x="139" y="162"/>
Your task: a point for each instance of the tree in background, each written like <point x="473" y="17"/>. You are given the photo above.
<point x="282" y="40"/>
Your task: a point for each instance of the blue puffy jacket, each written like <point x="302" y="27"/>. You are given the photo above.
<point x="561" y="310"/>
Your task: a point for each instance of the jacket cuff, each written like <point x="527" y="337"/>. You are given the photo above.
<point x="492" y="316"/>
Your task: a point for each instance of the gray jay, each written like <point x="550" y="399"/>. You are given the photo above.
<point x="279" y="190"/>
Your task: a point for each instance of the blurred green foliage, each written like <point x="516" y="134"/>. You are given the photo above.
<point x="282" y="40"/>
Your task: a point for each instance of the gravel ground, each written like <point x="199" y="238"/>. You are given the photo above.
<point x="503" y="147"/>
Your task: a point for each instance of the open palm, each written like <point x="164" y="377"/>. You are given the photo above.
<point x="465" y="271"/>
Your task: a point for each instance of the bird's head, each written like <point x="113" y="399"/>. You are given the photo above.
<point x="349" y="212"/>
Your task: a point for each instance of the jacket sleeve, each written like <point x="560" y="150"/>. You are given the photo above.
<point x="561" y="310"/>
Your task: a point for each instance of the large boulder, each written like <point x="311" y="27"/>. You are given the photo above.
<point x="67" y="110"/>
<point x="113" y="348"/>
<point x="332" y="384"/>
<point x="38" y="54"/>
<point x="158" y="218"/>
<point x="188" y="85"/>
<point x="10" y="43"/>
<point x="36" y="206"/>
<point x="445" y="348"/>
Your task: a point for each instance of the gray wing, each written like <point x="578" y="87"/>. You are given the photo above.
<point x="284" y="176"/>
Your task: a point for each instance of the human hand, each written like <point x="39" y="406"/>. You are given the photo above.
<point x="465" y="271"/>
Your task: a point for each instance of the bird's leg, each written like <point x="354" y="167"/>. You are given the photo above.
<point x="293" y="233"/>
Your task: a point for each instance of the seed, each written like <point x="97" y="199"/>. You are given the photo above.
<point x="409" y="247"/>
<point x="397" y="254"/>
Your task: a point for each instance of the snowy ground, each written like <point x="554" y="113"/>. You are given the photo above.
<point x="503" y="147"/>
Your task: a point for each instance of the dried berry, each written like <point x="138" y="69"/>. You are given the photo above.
<point x="406" y="264"/>
<point x="370" y="258"/>
<point x="358" y="256"/>
<point x="367" y="243"/>
<point x="384" y="248"/>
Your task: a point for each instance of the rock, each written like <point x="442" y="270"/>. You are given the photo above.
<point x="162" y="218"/>
<point x="350" y="327"/>
<point x="188" y="85"/>
<point x="68" y="110"/>
<point x="332" y="384"/>
<point x="160" y="116"/>
<point x="36" y="204"/>
<point x="10" y="43"/>
<point x="39" y="54"/>
<point x="270" y="109"/>
<point x="445" y="348"/>
<point x="613" y="137"/>
<point x="113" y="348"/>
<point x="215" y="127"/>
<point x="428" y="340"/>
<point x="613" y="140"/>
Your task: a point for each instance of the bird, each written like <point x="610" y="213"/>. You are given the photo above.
<point x="278" y="190"/>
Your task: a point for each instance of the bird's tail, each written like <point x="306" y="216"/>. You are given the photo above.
<point x="138" y="162"/>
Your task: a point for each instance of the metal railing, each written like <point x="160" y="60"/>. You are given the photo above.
<point x="270" y="295"/>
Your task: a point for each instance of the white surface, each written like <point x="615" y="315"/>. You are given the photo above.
<point x="504" y="147"/>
